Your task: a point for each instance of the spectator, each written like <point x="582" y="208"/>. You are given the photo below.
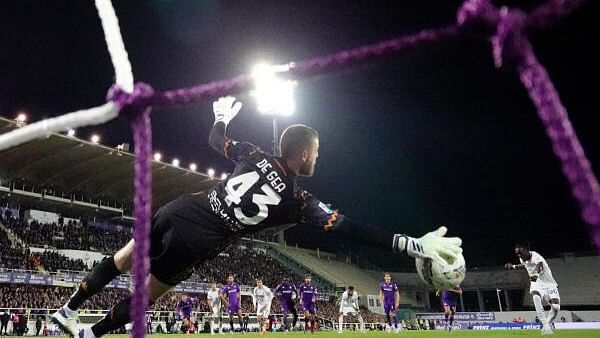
<point x="4" y="318"/>
<point x="38" y="326"/>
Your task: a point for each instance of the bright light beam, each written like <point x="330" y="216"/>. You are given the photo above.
<point x="273" y="95"/>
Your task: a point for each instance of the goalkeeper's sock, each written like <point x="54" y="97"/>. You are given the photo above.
<point x="94" y="282"/>
<point x="539" y="309"/>
<point x="341" y="320"/>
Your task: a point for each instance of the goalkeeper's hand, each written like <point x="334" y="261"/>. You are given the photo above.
<point x="432" y="245"/>
<point x="225" y="109"/>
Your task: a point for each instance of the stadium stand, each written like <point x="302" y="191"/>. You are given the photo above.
<point x="35" y="174"/>
<point x="11" y="257"/>
<point x="72" y="235"/>
<point x="247" y="265"/>
<point x="329" y="268"/>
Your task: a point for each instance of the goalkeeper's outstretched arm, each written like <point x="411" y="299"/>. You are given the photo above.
<point x="432" y="245"/>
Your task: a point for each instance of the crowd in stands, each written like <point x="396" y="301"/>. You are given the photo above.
<point x="69" y="235"/>
<point x="246" y="265"/>
<point x="53" y="261"/>
<point x="14" y="258"/>
<point x="22" y="183"/>
<point x="21" y="258"/>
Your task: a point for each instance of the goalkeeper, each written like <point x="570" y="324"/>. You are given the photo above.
<point x="262" y="192"/>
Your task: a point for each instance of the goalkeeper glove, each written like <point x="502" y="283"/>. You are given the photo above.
<point x="225" y="109"/>
<point x="432" y="245"/>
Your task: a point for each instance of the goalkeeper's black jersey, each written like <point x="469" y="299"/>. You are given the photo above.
<point x="261" y="193"/>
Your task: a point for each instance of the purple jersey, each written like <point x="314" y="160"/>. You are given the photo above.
<point x="233" y="291"/>
<point x="389" y="292"/>
<point x="308" y="293"/>
<point x="450" y="298"/>
<point x="186" y="306"/>
<point x="285" y="292"/>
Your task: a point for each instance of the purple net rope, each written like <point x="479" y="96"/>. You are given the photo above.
<point x="311" y="67"/>
<point x="139" y="117"/>
<point x="507" y="30"/>
<point x="510" y="45"/>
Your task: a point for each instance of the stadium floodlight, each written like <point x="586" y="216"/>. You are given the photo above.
<point x="157" y="157"/>
<point x="95" y="138"/>
<point x="175" y="162"/>
<point x="223" y="176"/>
<point x="211" y="172"/>
<point x="193" y="167"/>
<point x="71" y="132"/>
<point x="273" y="95"/>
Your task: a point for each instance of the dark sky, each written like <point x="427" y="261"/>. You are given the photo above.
<point x="438" y="138"/>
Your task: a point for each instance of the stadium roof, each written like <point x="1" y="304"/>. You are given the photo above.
<point x="103" y="172"/>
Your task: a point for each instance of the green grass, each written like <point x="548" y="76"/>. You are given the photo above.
<point x="404" y="334"/>
<point x="407" y="334"/>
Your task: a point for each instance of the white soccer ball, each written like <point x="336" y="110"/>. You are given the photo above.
<point x="442" y="276"/>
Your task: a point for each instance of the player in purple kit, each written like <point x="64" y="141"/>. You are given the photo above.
<point x="308" y="301"/>
<point x="449" y="300"/>
<point x="184" y="308"/>
<point x="390" y="298"/>
<point x="286" y="292"/>
<point x="232" y="298"/>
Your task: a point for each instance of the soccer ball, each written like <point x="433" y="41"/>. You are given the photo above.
<point x="442" y="277"/>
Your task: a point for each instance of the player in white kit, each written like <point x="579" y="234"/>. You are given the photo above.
<point x="214" y="302"/>
<point x="349" y="305"/>
<point x="543" y="286"/>
<point x="262" y="297"/>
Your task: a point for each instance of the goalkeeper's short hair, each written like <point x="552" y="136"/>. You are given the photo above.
<point x="296" y="138"/>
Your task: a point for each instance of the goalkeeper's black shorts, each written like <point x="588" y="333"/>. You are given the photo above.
<point x="185" y="232"/>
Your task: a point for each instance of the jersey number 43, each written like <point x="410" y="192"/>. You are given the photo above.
<point x="238" y="186"/>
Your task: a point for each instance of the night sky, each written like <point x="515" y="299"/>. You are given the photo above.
<point x="437" y="138"/>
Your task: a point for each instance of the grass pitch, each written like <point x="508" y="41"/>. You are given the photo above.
<point x="405" y="334"/>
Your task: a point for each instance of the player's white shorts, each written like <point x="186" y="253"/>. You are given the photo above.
<point x="263" y="310"/>
<point x="216" y="311"/>
<point x="547" y="292"/>
<point x="346" y="310"/>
